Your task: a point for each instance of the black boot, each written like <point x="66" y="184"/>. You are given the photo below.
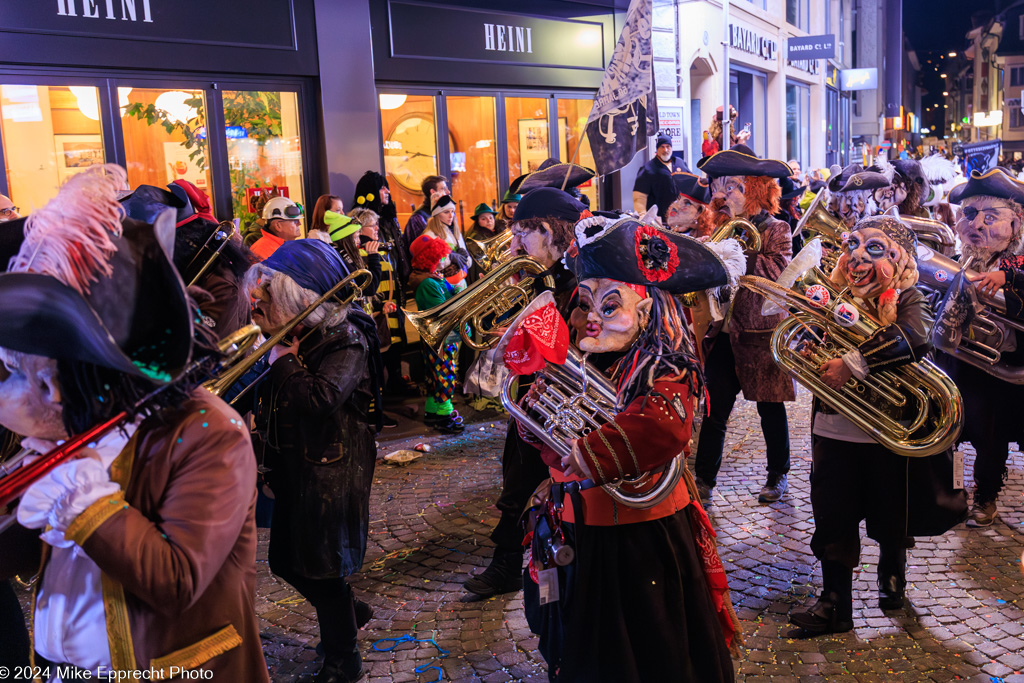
<point x="503" y="575"/>
<point x="892" y="577"/>
<point x="833" y="610"/>
<point x="346" y="670"/>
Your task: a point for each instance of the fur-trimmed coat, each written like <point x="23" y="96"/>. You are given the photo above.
<point x="750" y="332"/>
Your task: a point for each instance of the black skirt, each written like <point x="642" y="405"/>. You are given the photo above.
<point x="634" y="608"/>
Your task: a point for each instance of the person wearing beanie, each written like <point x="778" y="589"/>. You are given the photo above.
<point x="654" y="185"/>
<point x="483" y="229"/>
<point x="442" y="224"/>
<point x="507" y="209"/>
<point x="430" y="256"/>
<point x="373" y="192"/>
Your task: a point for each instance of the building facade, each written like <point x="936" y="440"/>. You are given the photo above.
<point x="303" y="95"/>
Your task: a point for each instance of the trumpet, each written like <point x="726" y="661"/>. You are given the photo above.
<point x="915" y="388"/>
<point x="226" y="379"/>
<point x="935" y="273"/>
<point x="490" y="252"/>
<point x="577" y="400"/>
<point x="819" y="222"/>
<point x="16" y="478"/>
<point x="482" y="308"/>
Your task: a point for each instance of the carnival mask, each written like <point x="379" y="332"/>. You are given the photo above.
<point x="30" y="396"/>
<point x="728" y="192"/>
<point x="537" y="243"/>
<point x="615" y="315"/>
<point x="682" y="214"/>
<point x="872" y="262"/>
<point x="854" y="205"/>
<point x="986" y="226"/>
<point x="888" y="197"/>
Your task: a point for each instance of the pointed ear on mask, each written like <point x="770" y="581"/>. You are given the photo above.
<point x="49" y="387"/>
<point x="643" y="311"/>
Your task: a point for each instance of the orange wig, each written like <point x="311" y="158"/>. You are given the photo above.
<point x="762" y="194"/>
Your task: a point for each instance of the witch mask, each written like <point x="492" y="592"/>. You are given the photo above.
<point x="610" y="315"/>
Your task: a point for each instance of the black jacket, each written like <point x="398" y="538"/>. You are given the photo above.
<point x="655" y="181"/>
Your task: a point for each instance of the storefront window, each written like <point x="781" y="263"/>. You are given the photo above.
<point x="165" y="136"/>
<point x="49" y="134"/>
<point x="472" y="153"/>
<point x="798" y="14"/>
<point x="798" y="109"/>
<point x="747" y="93"/>
<point x="526" y="123"/>
<point x="264" y="147"/>
<point x="572" y="124"/>
<point x="410" y="147"/>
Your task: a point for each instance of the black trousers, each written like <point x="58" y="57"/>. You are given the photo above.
<point x="14" y="642"/>
<point x="522" y="471"/>
<point x="851" y="482"/>
<point x="335" y="612"/>
<point x="723" y="387"/>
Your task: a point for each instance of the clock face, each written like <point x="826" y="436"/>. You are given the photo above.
<point x="410" y="150"/>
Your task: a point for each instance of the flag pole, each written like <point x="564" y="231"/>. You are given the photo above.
<point x="573" y="161"/>
<point x="726" y="119"/>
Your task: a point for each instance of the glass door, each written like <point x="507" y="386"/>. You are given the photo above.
<point x="526" y="134"/>
<point x="49" y="133"/>
<point x="409" y="132"/>
<point x="472" y="152"/>
<point x="572" y="125"/>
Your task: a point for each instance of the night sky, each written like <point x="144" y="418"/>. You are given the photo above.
<point x="934" y="29"/>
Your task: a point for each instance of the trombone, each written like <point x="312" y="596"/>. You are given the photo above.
<point x="223" y="234"/>
<point x="226" y="379"/>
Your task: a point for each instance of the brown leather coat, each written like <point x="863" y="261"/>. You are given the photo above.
<point x="750" y="332"/>
<point x="184" y="547"/>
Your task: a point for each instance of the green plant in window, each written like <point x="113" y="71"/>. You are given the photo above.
<point x="194" y="140"/>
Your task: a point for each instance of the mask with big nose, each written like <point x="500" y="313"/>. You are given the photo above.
<point x="986" y="225"/>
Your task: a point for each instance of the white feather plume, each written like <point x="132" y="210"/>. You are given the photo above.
<point x="884" y="167"/>
<point x="71" y="238"/>
<point x="938" y="169"/>
<point x="731" y="253"/>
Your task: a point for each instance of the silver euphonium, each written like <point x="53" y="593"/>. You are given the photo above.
<point x="577" y="400"/>
<point x="935" y="273"/>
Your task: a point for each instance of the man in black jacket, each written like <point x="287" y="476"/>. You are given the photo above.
<point x="653" y="184"/>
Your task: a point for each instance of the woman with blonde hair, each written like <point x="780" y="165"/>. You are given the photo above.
<point x="442" y="224"/>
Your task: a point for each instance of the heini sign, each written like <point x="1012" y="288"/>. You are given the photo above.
<point x="508" y="38"/>
<point x="94" y="9"/>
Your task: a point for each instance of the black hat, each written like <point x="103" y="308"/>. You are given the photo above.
<point x="840" y="176"/>
<point x="368" y="191"/>
<point x="442" y="203"/>
<point x="912" y="170"/>
<point x="790" y="189"/>
<point x="548" y="202"/>
<point x="692" y="187"/>
<point x="135" y="320"/>
<point x="147" y="202"/>
<point x="12" y="234"/>
<point x="741" y="161"/>
<point x="663" y="139"/>
<point x="864" y="180"/>
<point x="995" y="183"/>
<point x="551" y="174"/>
<point x="639" y="254"/>
<point x="892" y="226"/>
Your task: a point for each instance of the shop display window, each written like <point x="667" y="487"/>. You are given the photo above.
<point x="526" y="126"/>
<point x="264" y="148"/>
<point x="164" y="134"/>
<point x="410" y="147"/>
<point x="572" y="126"/>
<point x="472" y="152"/>
<point x="49" y="134"/>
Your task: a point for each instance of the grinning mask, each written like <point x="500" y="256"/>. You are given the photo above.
<point x="852" y="206"/>
<point x="615" y="314"/>
<point x="988" y="227"/>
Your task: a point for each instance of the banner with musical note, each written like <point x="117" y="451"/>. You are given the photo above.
<point x="625" y="112"/>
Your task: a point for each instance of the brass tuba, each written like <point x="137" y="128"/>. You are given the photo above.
<point x="870" y="403"/>
<point x="819" y="222"/>
<point x="936" y="272"/>
<point x="483" y="308"/>
<point x="577" y="400"/>
<point x="490" y="252"/>
<point x="933" y="234"/>
<point x="741" y="230"/>
<point x="230" y="375"/>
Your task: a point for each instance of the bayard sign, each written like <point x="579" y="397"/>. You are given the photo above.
<point x="810" y="47"/>
<point x="746" y="40"/>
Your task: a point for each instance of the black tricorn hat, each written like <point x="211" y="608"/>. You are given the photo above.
<point x="639" y="254"/>
<point x="840" y="176"/>
<point x="551" y="173"/>
<point x="911" y="169"/>
<point x="790" y="189"/>
<point x="741" y="161"/>
<point x="995" y="183"/>
<point x="136" y="320"/>
<point x="548" y="202"/>
<point x="148" y="201"/>
<point x="864" y="180"/>
<point x="691" y="186"/>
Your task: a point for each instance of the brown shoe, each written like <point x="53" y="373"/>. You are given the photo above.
<point x="983" y="513"/>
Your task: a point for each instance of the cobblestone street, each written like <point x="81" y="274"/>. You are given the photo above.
<point x="429" y="530"/>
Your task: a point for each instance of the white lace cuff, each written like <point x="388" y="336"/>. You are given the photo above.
<point x="63" y="494"/>
<point x="855" y="361"/>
